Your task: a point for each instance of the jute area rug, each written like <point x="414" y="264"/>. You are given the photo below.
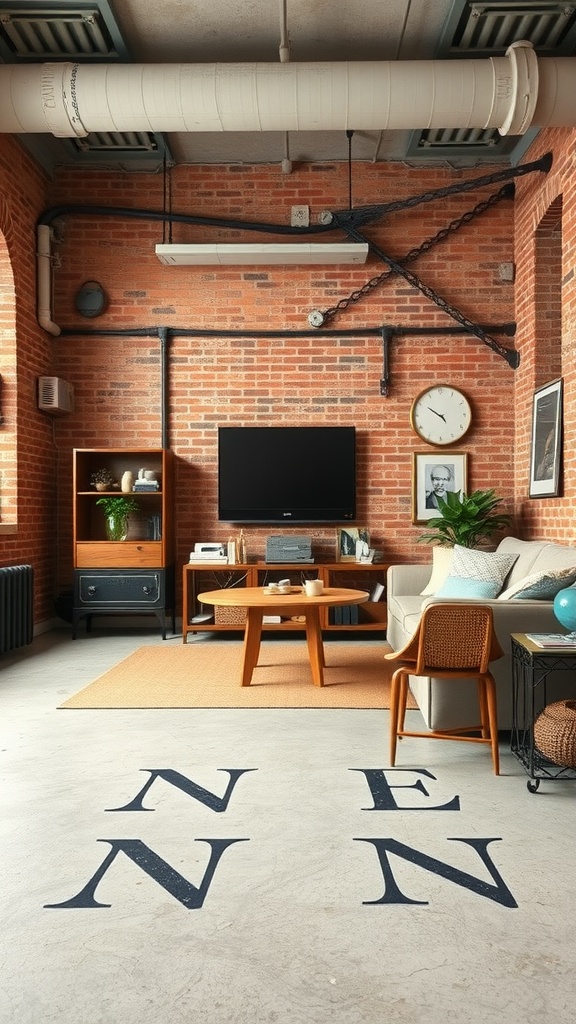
<point x="208" y="676"/>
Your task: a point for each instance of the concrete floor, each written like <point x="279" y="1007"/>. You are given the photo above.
<point x="216" y="866"/>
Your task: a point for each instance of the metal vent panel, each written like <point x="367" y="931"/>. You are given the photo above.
<point x="46" y="32"/>
<point x="117" y="142"/>
<point x="488" y="28"/>
<point x="464" y="147"/>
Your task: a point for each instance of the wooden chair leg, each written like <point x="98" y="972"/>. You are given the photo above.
<point x="490" y="691"/>
<point x="395" y="688"/>
<point x="402" y="702"/>
<point x="484" y="720"/>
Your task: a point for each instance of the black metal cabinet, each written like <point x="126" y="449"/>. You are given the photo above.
<point x="130" y="591"/>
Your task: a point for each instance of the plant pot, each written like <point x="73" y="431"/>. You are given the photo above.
<point x="116" y="527"/>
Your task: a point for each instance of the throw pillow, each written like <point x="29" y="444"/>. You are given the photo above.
<point x="476" y="574"/>
<point x="540" y="586"/>
<point x="441" y="565"/>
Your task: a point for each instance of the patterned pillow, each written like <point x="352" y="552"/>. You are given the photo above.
<point x="475" y="573"/>
<point x="540" y="586"/>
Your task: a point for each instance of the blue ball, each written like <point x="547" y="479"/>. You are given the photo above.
<point x="565" y="607"/>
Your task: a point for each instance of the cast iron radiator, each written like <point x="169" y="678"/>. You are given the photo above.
<point x="16" y="606"/>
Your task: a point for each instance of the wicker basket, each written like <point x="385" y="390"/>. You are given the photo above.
<point x="231" y="616"/>
<point x="555" y="733"/>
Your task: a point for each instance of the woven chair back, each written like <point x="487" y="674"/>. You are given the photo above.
<point x="454" y="636"/>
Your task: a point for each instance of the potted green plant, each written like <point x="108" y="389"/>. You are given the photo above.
<point x="466" y="519"/>
<point x="117" y="511"/>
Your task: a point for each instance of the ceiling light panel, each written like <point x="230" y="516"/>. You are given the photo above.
<point x="253" y="254"/>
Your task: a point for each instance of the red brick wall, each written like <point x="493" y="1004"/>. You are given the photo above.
<point x="27" y="444"/>
<point x="546" y="206"/>
<point x="281" y="380"/>
<point x="316" y="379"/>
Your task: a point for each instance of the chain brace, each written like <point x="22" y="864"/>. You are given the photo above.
<point x="506" y="192"/>
<point x="510" y="355"/>
<point x="364" y="214"/>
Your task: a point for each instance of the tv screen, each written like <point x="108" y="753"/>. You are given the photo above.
<point x="286" y="474"/>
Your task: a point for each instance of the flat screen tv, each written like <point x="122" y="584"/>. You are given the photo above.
<point x="286" y="474"/>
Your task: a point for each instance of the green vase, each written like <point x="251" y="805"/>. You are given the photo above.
<point x="117" y="527"/>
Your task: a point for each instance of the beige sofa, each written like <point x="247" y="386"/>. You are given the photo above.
<point x="448" y="705"/>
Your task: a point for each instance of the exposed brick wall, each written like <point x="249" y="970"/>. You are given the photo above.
<point x="316" y="379"/>
<point x="544" y="207"/>
<point x="280" y="380"/>
<point x="29" y="458"/>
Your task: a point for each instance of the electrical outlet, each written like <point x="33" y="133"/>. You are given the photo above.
<point x="300" y="217"/>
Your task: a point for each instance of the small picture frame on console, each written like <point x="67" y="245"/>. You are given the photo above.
<point x="433" y="475"/>
<point x="352" y="543"/>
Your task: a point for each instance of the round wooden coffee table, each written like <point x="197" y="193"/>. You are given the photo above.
<point x="258" y="604"/>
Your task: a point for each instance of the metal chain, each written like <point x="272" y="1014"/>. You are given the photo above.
<point x="363" y="214"/>
<point x="506" y="192"/>
<point x="510" y="355"/>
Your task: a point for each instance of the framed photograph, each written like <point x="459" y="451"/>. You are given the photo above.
<point x="546" y="446"/>
<point x="432" y="476"/>
<point x="352" y="543"/>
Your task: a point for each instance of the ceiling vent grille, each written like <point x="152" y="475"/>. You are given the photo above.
<point x="117" y="142"/>
<point x="491" y="27"/>
<point x="456" y="138"/>
<point x="44" y="32"/>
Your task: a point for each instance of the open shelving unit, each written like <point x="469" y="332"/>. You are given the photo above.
<point x="135" y="575"/>
<point x="198" y="578"/>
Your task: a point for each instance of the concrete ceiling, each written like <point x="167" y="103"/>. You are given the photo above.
<point x="246" y="31"/>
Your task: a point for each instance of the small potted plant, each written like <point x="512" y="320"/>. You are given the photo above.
<point x="117" y="512"/>
<point x="102" y="480"/>
<point x="466" y="520"/>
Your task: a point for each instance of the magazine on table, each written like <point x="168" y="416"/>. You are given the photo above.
<point x="552" y="639"/>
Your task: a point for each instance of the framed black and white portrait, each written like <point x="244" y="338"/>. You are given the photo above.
<point x="432" y="478"/>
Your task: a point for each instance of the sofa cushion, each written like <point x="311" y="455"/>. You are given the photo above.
<point x="526" y="551"/>
<point x="554" y="556"/>
<point x="542" y="586"/>
<point x="441" y="565"/>
<point x="476" y="574"/>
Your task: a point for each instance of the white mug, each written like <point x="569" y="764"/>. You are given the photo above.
<point x="313" y="588"/>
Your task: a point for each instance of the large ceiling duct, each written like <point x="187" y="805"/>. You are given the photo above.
<point x="508" y="93"/>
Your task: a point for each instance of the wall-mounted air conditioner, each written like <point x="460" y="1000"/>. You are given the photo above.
<point x="55" y="396"/>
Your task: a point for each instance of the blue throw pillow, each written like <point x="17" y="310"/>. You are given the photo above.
<point x="476" y="574"/>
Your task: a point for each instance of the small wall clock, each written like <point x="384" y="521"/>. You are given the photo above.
<point x="441" y="415"/>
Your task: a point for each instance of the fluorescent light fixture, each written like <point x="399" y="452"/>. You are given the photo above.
<point x="252" y="254"/>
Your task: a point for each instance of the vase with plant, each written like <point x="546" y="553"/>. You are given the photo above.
<point x="102" y="480"/>
<point x="117" y="512"/>
<point x="467" y="520"/>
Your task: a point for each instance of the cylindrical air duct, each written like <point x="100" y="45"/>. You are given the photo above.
<point x="508" y="93"/>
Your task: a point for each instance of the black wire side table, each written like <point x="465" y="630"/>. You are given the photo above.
<point x="531" y="667"/>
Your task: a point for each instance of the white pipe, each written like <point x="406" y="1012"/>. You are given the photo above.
<point x="499" y="92"/>
<point x="44" y="280"/>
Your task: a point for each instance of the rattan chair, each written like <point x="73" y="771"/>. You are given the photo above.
<point x="453" y="641"/>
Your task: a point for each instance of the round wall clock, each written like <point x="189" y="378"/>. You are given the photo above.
<point x="441" y="415"/>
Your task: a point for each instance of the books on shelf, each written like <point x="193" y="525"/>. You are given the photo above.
<point x="377" y="592"/>
<point x="552" y="639"/>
